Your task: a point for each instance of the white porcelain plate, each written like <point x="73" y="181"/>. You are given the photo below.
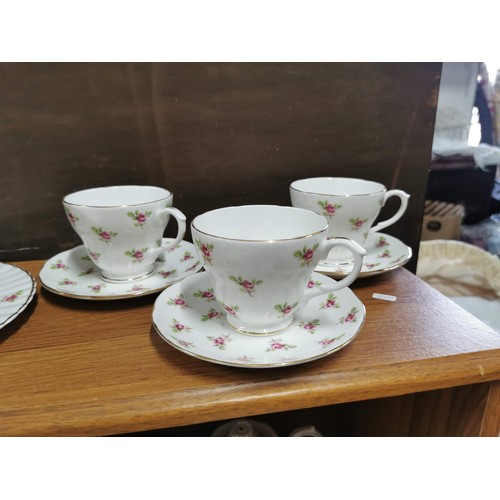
<point x="188" y="317"/>
<point x="72" y="274"/>
<point x="17" y="289"/>
<point x="383" y="253"/>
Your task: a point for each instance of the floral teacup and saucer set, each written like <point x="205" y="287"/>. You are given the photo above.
<point x="352" y="207"/>
<point x="124" y="254"/>
<point x="259" y="303"/>
<point x="266" y="298"/>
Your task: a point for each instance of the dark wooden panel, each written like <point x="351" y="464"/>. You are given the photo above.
<point x="215" y="134"/>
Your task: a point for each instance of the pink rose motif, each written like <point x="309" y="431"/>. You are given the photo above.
<point x="10" y="298"/>
<point x="59" y="265"/>
<point x="247" y="284"/>
<point x="136" y="255"/>
<point x="167" y="274"/>
<point x="275" y="345"/>
<point x="94" y="256"/>
<point x="279" y="345"/>
<point x="208" y="295"/>
<point x="178" y="327"/>
<point x="357" y="223"/>
<point x="330" y="302"/>
<point x="184" y="343"/>
<point x="285" y="309"/>
<point x="178" y="301"/>
<point x="350" y="317"/>
<point x="310" y="326"/>
<point x="67" y="281"/>
<point x="206" y="250"/>
<point x="220" y="342"/>
<point x="232" y="310"/>
<point x="306" y="254"/>
<point x="329" y="209"/>
<point x="309" y="255"/>
<point x="141" y="218"/>
<point x="312" y="284"/>
<point x="213" y="313"/>
<point x="72" y="217"/>
<point x="385" y="254"/>
<point x="187" y="256"/>
<point x="382" y="242"/>
<point x="105" y="236"/>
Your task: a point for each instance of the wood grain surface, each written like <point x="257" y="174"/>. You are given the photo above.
<point x="72" y="367"/>
<point x="215" y="134"/>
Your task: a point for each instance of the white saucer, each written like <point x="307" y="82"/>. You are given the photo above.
<point x="17" y="289"/>
<point x="383" y="253"/>
<point x="72" y="274"/>
<point x="189" y="318"/>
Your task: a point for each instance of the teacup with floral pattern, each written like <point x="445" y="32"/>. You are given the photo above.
<point x="260" y="259"/>
<point x="122" y="227"/>
<point x="350" y="205"/>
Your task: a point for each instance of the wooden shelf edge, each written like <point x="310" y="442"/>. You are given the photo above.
<point x="123" y="415"/>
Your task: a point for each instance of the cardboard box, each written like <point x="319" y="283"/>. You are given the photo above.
<point x="442" y="221"/>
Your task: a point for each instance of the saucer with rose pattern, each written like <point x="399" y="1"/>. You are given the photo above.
<point x="17" y="289"/>
<point x="189" y="318"/>
<point x="72" y="274"/>
<point x="383" y="253"/>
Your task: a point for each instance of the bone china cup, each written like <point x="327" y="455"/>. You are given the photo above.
<point x="122" y="227"/>
<point x="260" y="258"/>
<point x="350" y="205"/>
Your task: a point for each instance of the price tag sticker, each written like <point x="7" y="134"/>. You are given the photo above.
<point x="382" y="296"/>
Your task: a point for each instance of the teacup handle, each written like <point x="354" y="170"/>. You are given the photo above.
<point x="181" y="228"/>
<point x="403" y="196"/>
<point x="358" y="252"/>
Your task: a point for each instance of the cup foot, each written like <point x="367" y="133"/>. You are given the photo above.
<point x="126" y="280"/>
<point x="336" y="263"/>
<point x="258" y="331"/>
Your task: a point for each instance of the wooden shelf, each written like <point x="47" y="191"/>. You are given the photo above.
<point x="74" y="367"/>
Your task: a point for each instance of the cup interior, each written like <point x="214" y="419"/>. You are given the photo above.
<point x="337" y="186"/>
<point x="117" y="196"/>
<point x="260" y="223"/>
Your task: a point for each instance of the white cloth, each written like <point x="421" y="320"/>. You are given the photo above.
<point x="456" y="268"/>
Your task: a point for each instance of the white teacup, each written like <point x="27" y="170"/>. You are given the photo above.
<point x="122" y="227"/>
<point x="350" y="205"/>
<point x="259" y="259"/>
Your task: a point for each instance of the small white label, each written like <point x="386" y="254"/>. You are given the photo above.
<point x="382" y="296"/>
